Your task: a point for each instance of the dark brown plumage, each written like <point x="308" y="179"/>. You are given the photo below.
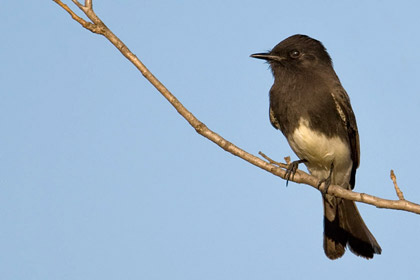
<point x="312" y="109"/>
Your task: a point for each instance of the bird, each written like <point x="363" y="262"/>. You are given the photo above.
<point x="310" y="107"/>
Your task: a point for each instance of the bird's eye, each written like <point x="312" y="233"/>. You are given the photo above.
<point x="294" y="54"/>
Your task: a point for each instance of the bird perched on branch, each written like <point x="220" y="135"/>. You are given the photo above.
<point x="312" y="109"/>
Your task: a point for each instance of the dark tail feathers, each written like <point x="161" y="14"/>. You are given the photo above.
<point x="347" y="228"/>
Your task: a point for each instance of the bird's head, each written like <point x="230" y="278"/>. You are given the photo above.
<point x="296" y="53"/>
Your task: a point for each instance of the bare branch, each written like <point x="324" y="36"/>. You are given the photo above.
<point x="275" y="168"/>
<point x="397" y="189"/>
<point x="271" y="161"/>
<point x="73" y="15"/>
<point x="88" y="25"/>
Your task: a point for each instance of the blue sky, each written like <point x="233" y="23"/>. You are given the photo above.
<point x="100" y="178"/>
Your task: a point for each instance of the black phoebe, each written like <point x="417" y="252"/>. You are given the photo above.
<point x="312" y="109"/>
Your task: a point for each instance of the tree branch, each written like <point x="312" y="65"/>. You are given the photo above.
<point x="278" y="169"/>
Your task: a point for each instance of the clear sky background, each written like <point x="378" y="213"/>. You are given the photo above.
<point x="100" y="178"/>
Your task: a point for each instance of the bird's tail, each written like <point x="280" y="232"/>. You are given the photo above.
<point x="343" y="226"/>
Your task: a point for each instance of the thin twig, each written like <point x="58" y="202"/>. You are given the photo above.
<point x="95" y="27"/>
<point x="80" y="20"/>
<point x="271" y="161"/>
<point x="397" y="189"/>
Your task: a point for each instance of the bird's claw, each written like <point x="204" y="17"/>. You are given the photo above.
<point x="327" y="181"/>
<point x="291" y="169"/>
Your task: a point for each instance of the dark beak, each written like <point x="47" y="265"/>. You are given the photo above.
<point x="266" y="56"/>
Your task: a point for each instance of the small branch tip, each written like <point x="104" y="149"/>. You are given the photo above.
<point x="397" y="189"/>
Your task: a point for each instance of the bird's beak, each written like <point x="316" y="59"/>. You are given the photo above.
<point x="267" y="56"/>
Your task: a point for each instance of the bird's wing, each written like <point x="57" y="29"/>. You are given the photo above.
<point x="343" y="106"/>
<point x="274" y="122"/>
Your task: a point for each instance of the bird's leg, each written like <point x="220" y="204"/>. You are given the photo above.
<point x="327" y="181"/>
<point x="292" y="168"/>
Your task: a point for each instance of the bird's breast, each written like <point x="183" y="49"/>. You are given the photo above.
<point x="320" y="151"/>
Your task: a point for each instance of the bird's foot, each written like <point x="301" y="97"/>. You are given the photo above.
<point x="327" y="181"/>
<point x="291" y="169"/>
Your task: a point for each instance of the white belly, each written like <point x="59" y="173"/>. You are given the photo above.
<point x="320" y="151"/>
